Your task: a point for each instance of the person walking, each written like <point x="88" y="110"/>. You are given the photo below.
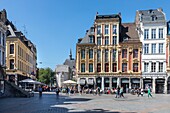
<point x="149" y="92"/>
<point x="121" y="92"/>
<point x="57" y="91"/>
<point x="40" y="91"/>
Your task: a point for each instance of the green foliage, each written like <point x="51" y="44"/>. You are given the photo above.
<point x="46" y="75"/>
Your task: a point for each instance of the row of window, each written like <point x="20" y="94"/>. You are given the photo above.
<point x="106" y="40"/>
<point x="153" y="67"/>
<point x="153" y="48"/>
<point x="2" y="38"/>
<point x="106" y="29"/>
<point x="106" y="53"/>
<point x="21" y="66"/>
<point x="153" y="34"/>
<point x="114" y="67"/>
<point x="2" y="57"/>
<point x="21" y="53"/>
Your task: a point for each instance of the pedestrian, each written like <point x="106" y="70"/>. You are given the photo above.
<point x="40" y="91"/>
<point x="149" y="92"/>
<point x="116" y="91"/>
<point x="57" y="91"/>
<point x="121" y="92"/>
<point x="98" y="90"/>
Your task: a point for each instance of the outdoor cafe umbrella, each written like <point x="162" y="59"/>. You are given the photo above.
<point x="30" y="81"/>
<point x="69" y="82"/>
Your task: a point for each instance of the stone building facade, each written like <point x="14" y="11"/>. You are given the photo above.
<point x="109" y="55"/>
<point x="3" y="30"/>
<point x="21" y="57"/>
<point x="152" y="29"/>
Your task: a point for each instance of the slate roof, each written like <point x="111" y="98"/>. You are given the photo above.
<point x="146" y="15"/>
<point x="129" y="33"/>
<point x="70" y="63"/>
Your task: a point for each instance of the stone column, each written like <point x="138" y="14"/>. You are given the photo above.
<point x="141" y="83"/>
<point x="130" y="85"/>
<point x="102" y="84"/>
<point x="153" y="85"/>
<point x="110" y="85"/>
<point x="165" y="86"/>
<point x="16" y="79"/>
<point x="118" y="82"/>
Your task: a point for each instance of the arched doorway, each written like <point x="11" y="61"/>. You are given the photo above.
<point x="160" y="85"/>
<point x="125" y="84"/>
<point x="168" y="85"/>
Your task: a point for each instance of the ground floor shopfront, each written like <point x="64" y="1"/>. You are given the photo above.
<point x="158" y="84"/>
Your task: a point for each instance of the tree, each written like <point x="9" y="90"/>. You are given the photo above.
<point x="46" y="75"/>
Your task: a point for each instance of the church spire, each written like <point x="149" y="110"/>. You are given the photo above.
<point x="70" y="55"/>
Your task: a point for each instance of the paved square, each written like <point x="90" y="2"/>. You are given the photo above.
<point x="50" y="103"/>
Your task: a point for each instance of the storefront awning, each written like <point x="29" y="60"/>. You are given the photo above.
<point x="125" y="80"/>
<point x="136" y="81"/>
<point x="114" y="80"/>
<point x="106" y="80"/>
<point x="82" y="81"/>
<point x="90" y="81"/>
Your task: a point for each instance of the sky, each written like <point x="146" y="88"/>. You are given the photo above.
<point x="54" y="26"/>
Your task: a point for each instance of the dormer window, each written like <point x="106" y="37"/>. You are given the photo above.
<point x="153" y="17"/>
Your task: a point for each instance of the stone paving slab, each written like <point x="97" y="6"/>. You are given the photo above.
<point x="86" y="103"/>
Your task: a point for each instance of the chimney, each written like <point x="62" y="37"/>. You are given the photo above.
<point x="160" y="9"/>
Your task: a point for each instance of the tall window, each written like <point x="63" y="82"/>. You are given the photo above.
<point x="3" y="58"/>
<point x="91" y="39"/>
<point x="3" y="39"/>
<point x="114" y="29"/>
<point x="83" y="67"/>
<point x="106" y="29"/>
<point x="146" y="34"/>
<point x="98" y="40"/>
<point x="90" y="67"/>
<point x="0" y="57"/>
<point x="11" y="48"/>
<point x="114" y="55"/>
<point x="124" y="53"/>
<point x="114" y="67"/>
<point x="107" y="40"/>
<point x="135" y="67"/>
<point x="90" y="53"/>
<point x="0" y="36"/>
<point x="160" y="33"/>
<point x="160" y="47"/>
<point x="106" y="55"/>
<point x="135" y="53"/>
<point x="83" y="54"/>
<point x="124" y="67"/>
<point x="98" y="55"/>
<point x="114" y="40"/>
<point x="146" y="67"/>
<point x="98" y="67"/>
<point x="11" y="64"/>
<point x="160" y="66"/>
<point x="98" y="29"/>
<point x="153" y="33"/>
<point x="146" y="48"/>
<point x="106" y="67"/>
<point x="153" y="67"/>
<point x="153" y="48"/>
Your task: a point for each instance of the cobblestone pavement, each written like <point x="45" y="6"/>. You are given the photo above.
<point x="86" y="103"/>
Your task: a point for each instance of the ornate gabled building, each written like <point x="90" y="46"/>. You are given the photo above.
<point x="109" y="55"/>
<point x="3" y="30"/>
<point x="129" y="54"/>
<point x="21" y="57"/>
<point x="168" y="57"/>
<point x="152" y="29"/>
